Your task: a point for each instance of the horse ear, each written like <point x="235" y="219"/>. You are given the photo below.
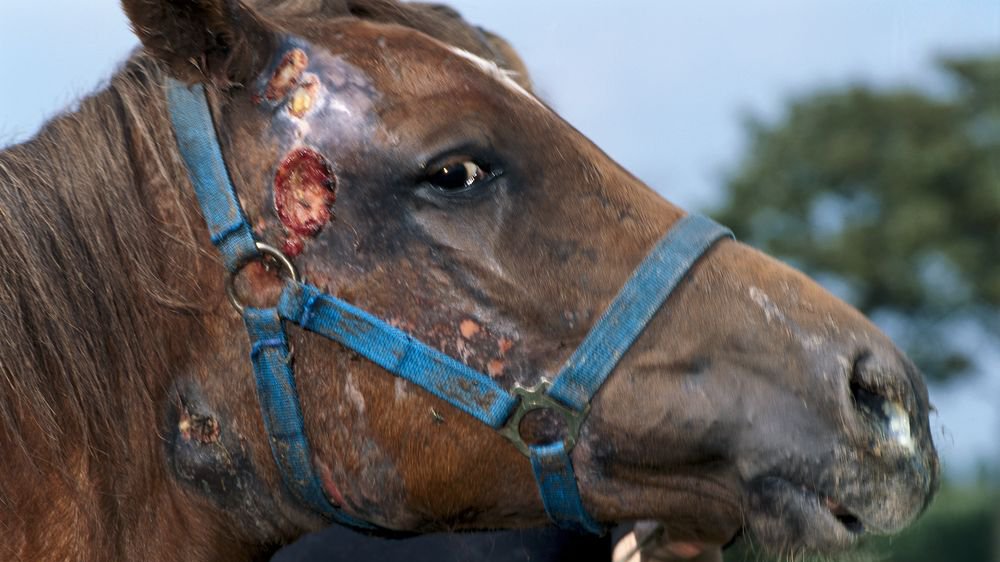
<point x="221" y="41"/>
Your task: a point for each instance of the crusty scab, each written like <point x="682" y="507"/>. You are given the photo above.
<point x="304" y="181"/>
<point x="287" y="75"/>
<point x="304" y="193"/>
<point x="209" y="457"/>
<point x="330" y="488"/>
<point x="303" y="98"/>
<point x="479" y="347"/>
<point x="198" y="428"/>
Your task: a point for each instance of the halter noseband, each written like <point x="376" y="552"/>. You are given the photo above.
<point x="569" y="394"/>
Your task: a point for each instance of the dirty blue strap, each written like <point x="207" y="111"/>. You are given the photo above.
<point x="279" y="406"/>
<point x="199" y="146"/>
<point x="397" y="352"/>
<point x="557" y="483"/>
<point x="626" y="317"/>
<point x="605" y="345"/>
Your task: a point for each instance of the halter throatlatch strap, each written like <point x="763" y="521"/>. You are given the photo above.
<point x="569" y="394"/>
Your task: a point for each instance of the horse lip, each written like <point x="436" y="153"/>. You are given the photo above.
<point x="777" y="503"/>
<point x="847" y="518"/>
<point x="830" y="509"/>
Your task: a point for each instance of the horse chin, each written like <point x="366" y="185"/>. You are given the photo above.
<point x="792" y="518"/>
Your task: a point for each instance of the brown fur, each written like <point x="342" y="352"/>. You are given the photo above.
<point x="115" y="327"/>
<point x="102" y="264"/>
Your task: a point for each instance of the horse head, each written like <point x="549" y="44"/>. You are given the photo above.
<point x="400" y="159"/>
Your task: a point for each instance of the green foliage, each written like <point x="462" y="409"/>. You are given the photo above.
<point x="892" y="197"/>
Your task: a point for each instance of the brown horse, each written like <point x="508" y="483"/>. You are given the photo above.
<point x="398" y="154"/>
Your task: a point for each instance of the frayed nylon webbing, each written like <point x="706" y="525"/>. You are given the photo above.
<point x="279" y="405"/>
<point x="560" y="491"/>
<point x="199" y="147"/>
<point x="397" y="352"/>
<point x="637" y="302"/>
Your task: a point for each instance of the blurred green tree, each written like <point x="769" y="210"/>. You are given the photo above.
<point x="892" y="198"/>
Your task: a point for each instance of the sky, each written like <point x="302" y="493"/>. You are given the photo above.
<point x="662" y="86"/>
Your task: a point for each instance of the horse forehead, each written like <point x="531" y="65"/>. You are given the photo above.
<point x="408" y="62"/>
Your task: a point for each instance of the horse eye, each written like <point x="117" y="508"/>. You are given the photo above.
<point x="458" y="175"/>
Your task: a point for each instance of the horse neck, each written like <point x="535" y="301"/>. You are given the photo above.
<point x="99" y="271"/>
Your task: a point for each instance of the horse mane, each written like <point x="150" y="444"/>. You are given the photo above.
<point x="88" y="294"/>
<point x="83" y="292"/>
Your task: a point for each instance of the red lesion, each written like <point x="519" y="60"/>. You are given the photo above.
<point x="304" y="193"/>
<point x="286" y="77"/>
<point x="293" y="245"/>
<point x="329" y="486"/>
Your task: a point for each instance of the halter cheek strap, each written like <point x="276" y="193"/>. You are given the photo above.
<point x="569" y="394"/>
<point x="232" y="235"/>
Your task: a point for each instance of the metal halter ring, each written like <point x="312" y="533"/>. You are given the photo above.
<point x="265" y="252"/>
<point x="538" y="398"/>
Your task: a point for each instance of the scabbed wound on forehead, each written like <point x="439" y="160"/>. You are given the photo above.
<point x="304" y="193"/>
<point x="316" y="101"/>
<point x="316" y="98"/>
<point x="287" y="75"/>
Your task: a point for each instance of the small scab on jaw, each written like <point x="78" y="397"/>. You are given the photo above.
<point x="198" y="428"/>
<point x="287" y="75"/>
<point x="469" y="328"/>
<point x="504" y="345"/>
<point x="495" y="368"/>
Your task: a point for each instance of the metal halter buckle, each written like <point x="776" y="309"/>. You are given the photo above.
<point x="266" y="252"/>
<point x="537" y="398"/>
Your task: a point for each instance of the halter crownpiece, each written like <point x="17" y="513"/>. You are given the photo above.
<point x="568" y="394"/>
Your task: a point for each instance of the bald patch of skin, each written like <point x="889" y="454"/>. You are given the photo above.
<point x="325" y="100"/>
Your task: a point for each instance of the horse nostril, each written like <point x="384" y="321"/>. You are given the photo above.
<point x="888" y="417"/>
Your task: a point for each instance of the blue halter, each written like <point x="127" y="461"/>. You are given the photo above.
<point x="569" y="394"/>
